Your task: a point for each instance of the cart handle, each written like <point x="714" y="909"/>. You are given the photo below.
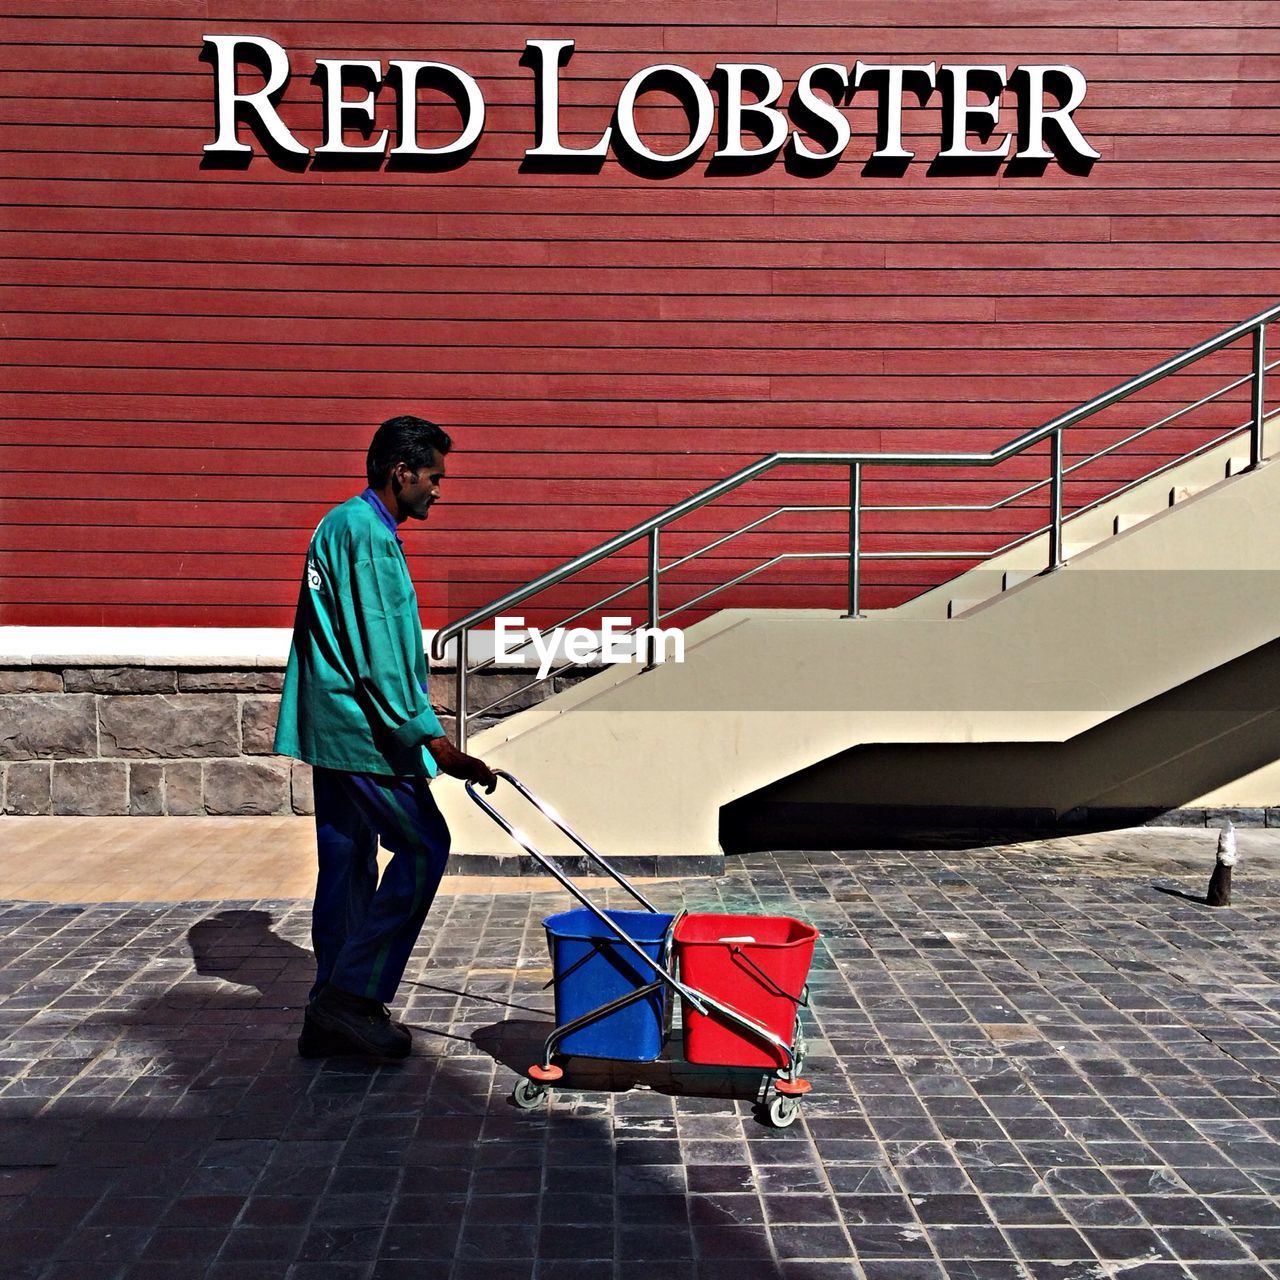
<point x="557" y="821"/>
<point x="741" y="1020"/>
<point x="696" y="998"/>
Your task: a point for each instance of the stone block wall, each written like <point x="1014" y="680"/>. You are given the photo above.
<point x="153" y="741"/>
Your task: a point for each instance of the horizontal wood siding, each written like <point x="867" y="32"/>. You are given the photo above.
<point x="195" y="356"/>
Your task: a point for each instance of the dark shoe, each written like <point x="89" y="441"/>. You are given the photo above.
<point x="316" y="1042"/>
<point x="364" y="1025"/>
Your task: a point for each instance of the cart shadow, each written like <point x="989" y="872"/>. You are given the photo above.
<point x="517" y="1044"/>
<point x="481" y="997"/>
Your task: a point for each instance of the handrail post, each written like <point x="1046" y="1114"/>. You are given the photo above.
<point x="1259" y="370"/>
<point x="460" y="692"/>
<point x="855" y="538"/>
<point x="651" y="635"/>
<point x="1055" y="500"/>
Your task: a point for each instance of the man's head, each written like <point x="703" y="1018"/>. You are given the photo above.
<point x="405" y="465"/>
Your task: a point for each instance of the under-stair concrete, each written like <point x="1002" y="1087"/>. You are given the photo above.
<point x="643" y="762"/>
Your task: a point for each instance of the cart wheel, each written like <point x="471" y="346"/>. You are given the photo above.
<point x="783" y="1110"/>
<point x="526" y="1095"/>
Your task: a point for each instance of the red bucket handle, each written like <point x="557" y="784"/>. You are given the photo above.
<point x="800" y="1001"/>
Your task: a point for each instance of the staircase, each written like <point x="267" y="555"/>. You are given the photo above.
<point x="1145" y="501"/>
<point x="1109" y="660"/>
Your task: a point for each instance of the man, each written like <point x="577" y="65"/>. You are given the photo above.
<point x="355" y="706"/>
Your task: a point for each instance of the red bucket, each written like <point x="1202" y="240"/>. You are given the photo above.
<point x="757" y="965"/>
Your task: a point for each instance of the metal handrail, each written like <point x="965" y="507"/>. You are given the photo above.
<point x="856" y="461"/>
<point x="1037" y="485"/>
<point x="639" y="582"/>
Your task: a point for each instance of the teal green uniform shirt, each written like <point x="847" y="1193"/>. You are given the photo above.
<point x="355" y="690"/>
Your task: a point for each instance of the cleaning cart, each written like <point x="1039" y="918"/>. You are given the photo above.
<point x="742" y="982"/>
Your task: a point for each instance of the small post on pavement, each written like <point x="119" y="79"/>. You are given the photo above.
<point x="1219" y="894"/>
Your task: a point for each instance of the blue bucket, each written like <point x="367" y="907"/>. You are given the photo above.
<point x="591" y="966"/>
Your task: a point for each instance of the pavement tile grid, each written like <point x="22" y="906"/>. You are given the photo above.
<point x="1026" y="1063"/>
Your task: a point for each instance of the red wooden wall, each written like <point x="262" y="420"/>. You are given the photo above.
<point x="195" y="357"/>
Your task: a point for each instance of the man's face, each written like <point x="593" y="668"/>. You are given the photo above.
<point x="415" y="491"/>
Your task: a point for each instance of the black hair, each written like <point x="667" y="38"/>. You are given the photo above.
<point x="413" y="441"/>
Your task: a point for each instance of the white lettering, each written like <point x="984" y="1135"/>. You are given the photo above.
<point x="1032" y="146"/>
<point x="615" y="640"/>
<point x="226" y="58"/>
<point x="752" y="127"/>
<point x="700" y="129"/>
<point x="824" y="110"/>
<point x="336" y="108"/>
<point x="733" y="108"/>
<point x="550" y="56"/>
<point x="407" y="116"/>
<point x="508" y="639"/>
<point x="957" y="125"/>
<point x="891" y="100"/>
<point x="654" y="640"/>
<point x="545" y="649"/>
<point x="579" y="644"/>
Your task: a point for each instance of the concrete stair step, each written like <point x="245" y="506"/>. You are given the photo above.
<point x="1072" y="549"/>
<point x="1015" y="577"/>
<point x="1181" y="492"/>
<point x="1236" y="465"/>
<point x="956" y="607"/>
<point x="1128" y="519"/>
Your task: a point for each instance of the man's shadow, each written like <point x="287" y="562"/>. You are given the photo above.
<point x="260" y="984"/>
<point x="241" y="947"/>
<point x="201" y="1126"/>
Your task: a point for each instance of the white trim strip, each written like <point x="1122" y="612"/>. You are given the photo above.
<point x="234" y="648"/>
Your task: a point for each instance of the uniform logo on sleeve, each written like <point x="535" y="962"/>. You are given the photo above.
<point x="313" y="576"/>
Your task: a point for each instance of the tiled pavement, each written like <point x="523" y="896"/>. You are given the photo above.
<point x="1028" y="1062"/>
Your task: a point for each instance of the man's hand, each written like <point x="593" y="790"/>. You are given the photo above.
<point x="457" y="764"/>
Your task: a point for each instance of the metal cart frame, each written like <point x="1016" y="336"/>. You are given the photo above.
<point x="788" y="1085"/>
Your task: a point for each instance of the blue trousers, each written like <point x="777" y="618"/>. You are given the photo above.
<point x="362" y="929"/>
